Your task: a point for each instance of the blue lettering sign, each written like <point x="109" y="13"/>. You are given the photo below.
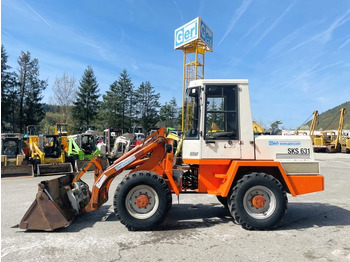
<point x="206" y="35"/>
<point x="186" y="33"/>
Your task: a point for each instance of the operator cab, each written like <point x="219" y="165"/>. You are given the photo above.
<point x="212" y="119"/>
<point x="11" y="147"/>
<point x="50" y="145"/>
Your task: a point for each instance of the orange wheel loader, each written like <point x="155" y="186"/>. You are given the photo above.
<point x="251" y="175"/>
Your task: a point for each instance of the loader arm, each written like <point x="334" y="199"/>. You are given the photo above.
<point x="157" y="162"/>
<point x="36" y="152"/>
<point x="74" y="149"/>
<point x="59" y="200"/>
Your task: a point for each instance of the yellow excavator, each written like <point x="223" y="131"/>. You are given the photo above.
<point x="329" y="141"/>
<point x="258" y="129"/>
<point x="313" y="125"/>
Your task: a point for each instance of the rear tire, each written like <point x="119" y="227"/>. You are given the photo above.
<point x="258" y="201"/>
<point x="142" y="200"/>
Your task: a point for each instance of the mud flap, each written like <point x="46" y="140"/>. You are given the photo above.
<point x="51" y="208"/>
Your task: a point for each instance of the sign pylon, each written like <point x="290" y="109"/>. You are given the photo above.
<point x="194" y="38"/>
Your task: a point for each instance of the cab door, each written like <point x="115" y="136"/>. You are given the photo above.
<point x="220" y="139"/>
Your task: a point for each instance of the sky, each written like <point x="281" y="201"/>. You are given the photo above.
<point x="295" y="53"/>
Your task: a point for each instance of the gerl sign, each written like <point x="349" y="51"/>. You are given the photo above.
<point x="194" y="30"/>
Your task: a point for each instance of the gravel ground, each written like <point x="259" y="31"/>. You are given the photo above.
<point x="316" y="228"/>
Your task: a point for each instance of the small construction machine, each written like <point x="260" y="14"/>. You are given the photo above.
<point x="14" y="161"/>
<point x="109" y="146"/>
<point x="251" y="175"/>
<point x="81" y="149"/>
<point x="61" y="129"/>
<point x="329" y="141"/>
<point x="48" y="156"/>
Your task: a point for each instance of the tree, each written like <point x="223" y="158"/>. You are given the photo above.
<point x="9" y="96"/>
<point x="169" y="114"/>
<point x="147" y="105"/>
<point x="117" y="105"/>
<point x="31" y="110"/>
<point x="64" y="93"/>
<point x="86" y="105"/>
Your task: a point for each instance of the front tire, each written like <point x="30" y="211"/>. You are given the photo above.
<point x="258" y="201"/>
<point x="142" y="200"/>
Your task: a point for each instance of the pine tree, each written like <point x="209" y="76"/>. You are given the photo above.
<point x="147" y="105"/>
<point x="117" y="105"/>
<point x="127" y="95"/>
<point x="9" y="96"/>
<point x="111" y="107"/>
<point x="86" y="105"/>
<point x="31" y="110"/>
<point x="169" y="114"/>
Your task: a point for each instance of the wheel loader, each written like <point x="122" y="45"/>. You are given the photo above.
<point x="14" y="161"/>
<point x="251" y="175"/>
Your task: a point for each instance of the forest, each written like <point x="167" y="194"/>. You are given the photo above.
<point x="78" y="103"/>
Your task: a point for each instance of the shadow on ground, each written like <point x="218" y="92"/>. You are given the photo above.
<point x="308" y="215"/>
<point x="191" y="216"/>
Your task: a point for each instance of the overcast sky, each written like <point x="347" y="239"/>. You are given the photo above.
<point x="295" y="54"/>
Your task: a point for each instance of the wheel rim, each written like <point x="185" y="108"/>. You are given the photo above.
<point x="142" y="202"/>
<point x="259" y="202"/>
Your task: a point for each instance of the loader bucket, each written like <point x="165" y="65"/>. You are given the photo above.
<point x="54" y="169"/>
<point x="22" y="170"/>
<point x="51" y="208"/>
<point x="79" y="164"/>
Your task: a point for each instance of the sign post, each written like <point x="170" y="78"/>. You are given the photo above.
<point x="194" y="38"/>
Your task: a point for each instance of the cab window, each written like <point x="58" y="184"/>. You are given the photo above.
<point x="192" y="113"/>
<point x="221" y="119"/>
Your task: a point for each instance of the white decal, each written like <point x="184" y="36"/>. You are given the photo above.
<point x="125" y="162"/>
<point x="101" y="181"/>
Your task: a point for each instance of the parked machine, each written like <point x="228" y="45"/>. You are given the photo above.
<point x="346" y="144"/>
<point x="81" y="149"/>
<point x="61" y="129"/>
<point x="329" y="141"/>
<point x="48" y="156"/>
<point x="251" y="175"/>
<point x="108" y="144"/>
<point x="13" y="159"/>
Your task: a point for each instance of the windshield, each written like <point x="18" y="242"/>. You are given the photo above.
<point x="10" y="148"/>
<point x="192" y="113"/>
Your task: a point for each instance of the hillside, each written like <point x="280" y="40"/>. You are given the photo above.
<point x="329" y="119"/>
